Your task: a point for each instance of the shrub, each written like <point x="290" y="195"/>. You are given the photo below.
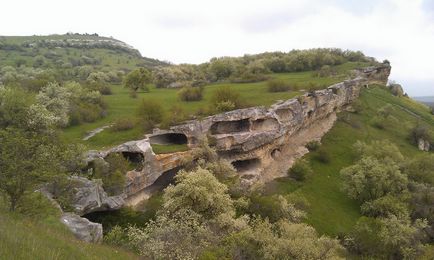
<point x="300" y="170"/>
<point x="325" y="71"/>
<point x="122" y="124"/>
<point x="277" y="85"/>
<point x="190" y="93"/>
<point x="151" y="113"/>
<point x="105" y="90"/>
<point x="313" y="145"/>
<point x="112" y="172"/>
<point x="176" y="116"/>
<point x="225" y="99"/>
<point x="419" y="132"/>
<point x="323" y="156"/>
<point x="378" y="123"/>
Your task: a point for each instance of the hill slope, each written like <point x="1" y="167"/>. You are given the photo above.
<point x="70" y="50"/>
<point x="331" y="212"/>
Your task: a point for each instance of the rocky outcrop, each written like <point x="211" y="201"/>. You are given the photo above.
<point x="82" y="228"/>
<point x="423" y="145"/>
<point x="261" y="143"/>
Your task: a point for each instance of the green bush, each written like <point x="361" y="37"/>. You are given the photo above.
<point x="190" y="93"/>
<point x="300" y="170"/>
<point x="176" y="116"/>
<point x="278" y="85"/>
<point x="150" y="113"/>
<point x="225" y="99"/>
<point x="323" y="156"/>
<point x="122" y="124"/>
<point x="112" y="172"/>
<point x="419" y="132"/>
<point x="313" y="145"/>
<point x="105" y="90"/>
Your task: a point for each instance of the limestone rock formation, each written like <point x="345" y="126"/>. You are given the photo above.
<point x="261" y="143"/>
<point x="82" y="228"/>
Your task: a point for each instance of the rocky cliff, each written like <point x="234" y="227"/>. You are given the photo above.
<point x="261" y="143"/>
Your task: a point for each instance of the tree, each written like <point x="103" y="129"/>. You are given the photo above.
<point x="56" y="99"/>
<point x="370" y="179"/>
<point x="151" y="113"/>
<point x="138" y="79"/>
<point x="281" y="240"/>
<point x="420" y="169"/>
<point x="26" y="161"/>
<point x="388" y="238"/>
<point x="200" y="192"/>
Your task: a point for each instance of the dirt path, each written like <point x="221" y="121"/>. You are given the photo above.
<point x="95" y="132"/>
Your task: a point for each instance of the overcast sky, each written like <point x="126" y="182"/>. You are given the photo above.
<point x="187" y="31"/>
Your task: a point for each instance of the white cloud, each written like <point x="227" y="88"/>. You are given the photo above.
<point x="194" y="31"/>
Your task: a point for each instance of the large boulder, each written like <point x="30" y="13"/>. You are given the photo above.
<point x="424" y="145"/>
<point x="82" y="228"/>
<point x="89" y="196"/>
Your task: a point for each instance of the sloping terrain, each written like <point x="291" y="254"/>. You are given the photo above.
<point x="69" y="50"/>
<point x="331" y="211"/>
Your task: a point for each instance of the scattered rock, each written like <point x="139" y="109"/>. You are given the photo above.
<point x="424" y="145"/>
<point x="82" y="228"/>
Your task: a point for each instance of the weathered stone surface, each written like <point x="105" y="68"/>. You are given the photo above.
<point x="82" y="228"/>
<point x="89" y="196"/>
<point x="424" y="145"/>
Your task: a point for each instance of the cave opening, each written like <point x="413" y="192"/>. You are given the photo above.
<point x="247" y="165"/>
<point x="265" y="124"/>
<point x="133" y="157"/>
<point x="168" y="139"/>
<point x="227" y="127"/>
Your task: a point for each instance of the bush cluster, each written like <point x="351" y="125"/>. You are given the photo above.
<point x="300" y="170"/>
<point x="278" y="85"/>
<point x="191" y="93"/>
<point x="122" y="124"/>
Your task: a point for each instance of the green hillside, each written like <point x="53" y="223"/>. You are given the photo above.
<point x="331" y="211"/>
<point x="46" y="238"/>
<point x="70" y="50"/>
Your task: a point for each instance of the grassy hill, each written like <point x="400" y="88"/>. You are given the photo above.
<point x="331" y="212"/>
<point x="64" y="51"/>
<point x="26" y="238"/>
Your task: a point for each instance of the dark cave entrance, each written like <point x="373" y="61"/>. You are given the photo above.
<point x="246" y="165"/>
<point x="168" y="139"/>
<point x="227" y="127"/>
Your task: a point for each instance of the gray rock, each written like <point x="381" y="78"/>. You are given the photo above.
<point x="424" y="145"/>
<point x="89" y="196"/>
<point x="82" y="228"/>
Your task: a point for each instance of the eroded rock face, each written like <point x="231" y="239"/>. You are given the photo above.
<point x="261" y="142"/>
<point x="82" y="228"/>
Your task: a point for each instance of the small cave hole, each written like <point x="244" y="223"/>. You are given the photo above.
<point x="247" y="165"/>
<point x="227" y="127"/>
<point x="169" y="138"/>
<point x="275" y="153"/>
<point x="269" y="124"/>
<point x="134" y="158"/>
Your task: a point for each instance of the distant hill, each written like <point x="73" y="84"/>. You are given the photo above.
<point x="71" y="50"/>
<point x="427" y="100"/>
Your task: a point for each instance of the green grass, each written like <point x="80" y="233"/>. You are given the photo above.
<point x="25" y="238"/>
<point x="331" y="212"/>
<point x="254" y="94"/>
<point x="172" y="148"/>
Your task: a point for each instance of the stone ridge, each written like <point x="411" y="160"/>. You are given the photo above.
<point x="261" y="143"/>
